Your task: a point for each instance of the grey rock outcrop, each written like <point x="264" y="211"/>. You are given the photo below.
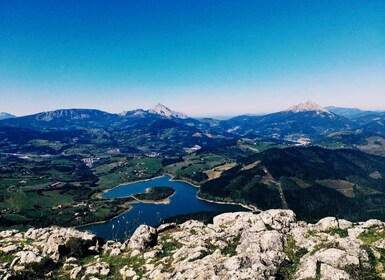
<point x="143" y="237"/>
<point x="242" y="245"/>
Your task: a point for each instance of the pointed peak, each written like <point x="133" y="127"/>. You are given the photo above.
<point x="164" y="111"/>
<point x="306" y="107"/>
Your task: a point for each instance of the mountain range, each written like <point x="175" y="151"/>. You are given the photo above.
<point x="302" y="123"/>
<point x="254" y="160"/>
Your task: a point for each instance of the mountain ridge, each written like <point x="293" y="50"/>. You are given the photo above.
<point x="4" y="115"/>
<point x="302" y="121"/>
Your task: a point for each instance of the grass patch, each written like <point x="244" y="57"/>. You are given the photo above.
<point x="169" y="245"/>
<point x="372" y="235"/>
<point x="363" y="271"/>
<point x="230" y="249"/>
<point x="6" y="258"/>
<point x="117" y="263"/>
<point x="295" y="254"/>
<point x="341" y="232"/>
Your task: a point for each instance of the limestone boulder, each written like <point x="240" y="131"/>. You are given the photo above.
<point x="143" y="237"/>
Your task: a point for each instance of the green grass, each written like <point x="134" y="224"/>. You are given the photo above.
<point x="14" y="217"/>
<point x="341" y="232"/>
<point x="120" y="170"/>
<point x="47" y="199"/>
<point x="117" y="263"/>
<point x="372" y="235"/>
<point x="295" y="254"/>
<point x="195" y="164"/>
<point x="6" y="258"/>
<point x="364" y="271"/>
<point x="169" y="245"/>
<point x="230" y="249"/>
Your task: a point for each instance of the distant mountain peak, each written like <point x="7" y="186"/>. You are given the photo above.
<point x="164" y="111"/>
<point x="73" y="114"/>
<point x="133" y="113"/>
<point x="307" y="107"/>
<point x="4" y="116"/>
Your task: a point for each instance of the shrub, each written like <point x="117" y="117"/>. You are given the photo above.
<point x="76" y="247"/>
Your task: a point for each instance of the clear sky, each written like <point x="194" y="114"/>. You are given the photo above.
<point x="207" y="57"/>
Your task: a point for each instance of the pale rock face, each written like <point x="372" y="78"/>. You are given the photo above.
<point x="336" y="257"/>
<point x="51" y="238"/>
<point x="102" y="269"/>
<point x="233" y="224"/>
<point x="115" y="252"/>
<point x="281" y="220"/>
<point x="332" y="223"/>
<point x="9" y="249"/>
<point x="191" y="224"/>
<point x="167" y="112"/>
<point x="307" y="269"/>
<point x="143" y="237"/>
<point x="165" y="227"/>
<point x="379" y="243"/>
<point x="127" y="272"/>
<point x="75" y="272"/>
<point x="271" y="241"/>
<point x="28" y="257"/>
<point x="352" y="247"/>
<point x="8" y="233"/>
<point x="355" y="232"/>
<point x="307" y="106"/>
<point x="135" y="253"/>
<point x="330" y="273"/>
<point x="372" y="223"/>
<point x="238" y="245"/>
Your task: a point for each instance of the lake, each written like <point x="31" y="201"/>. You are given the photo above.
<point x="184" y="201"/>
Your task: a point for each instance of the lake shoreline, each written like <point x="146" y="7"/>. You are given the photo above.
<point x="163" y="201"/>
<point x="250" y="207"/>
<point x="104" y="221"/>
<point x="193" y="195"/>
<point x="100" y="194"/>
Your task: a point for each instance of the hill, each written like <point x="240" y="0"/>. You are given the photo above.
<point x="312" y="181"/>
<point x="4" y="116"/>
<point x="303" y="120"/>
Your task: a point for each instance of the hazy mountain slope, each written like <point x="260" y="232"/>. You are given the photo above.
<point x="350" y="113"/>
<point x="314" y="182"/>
<point x="4" y="116"/>
<point x="306" y="119"/>
<point x="64" y="119"/>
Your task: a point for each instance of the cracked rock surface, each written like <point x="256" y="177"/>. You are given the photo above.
<point x="241" y="245"/>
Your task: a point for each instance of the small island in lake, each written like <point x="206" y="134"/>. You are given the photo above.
<point x="155" y="194"/>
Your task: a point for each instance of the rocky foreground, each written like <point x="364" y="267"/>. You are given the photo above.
<point x="269" y="245"/>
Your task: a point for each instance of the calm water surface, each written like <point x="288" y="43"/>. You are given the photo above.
<point x="184" y="201"/>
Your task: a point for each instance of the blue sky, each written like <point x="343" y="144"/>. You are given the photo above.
<point x="200" y="57"/>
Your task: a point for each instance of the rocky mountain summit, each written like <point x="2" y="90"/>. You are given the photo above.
<point x="164" y="111"/>
<point x="242" y="245"/>
<point x="307" y="106"/>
